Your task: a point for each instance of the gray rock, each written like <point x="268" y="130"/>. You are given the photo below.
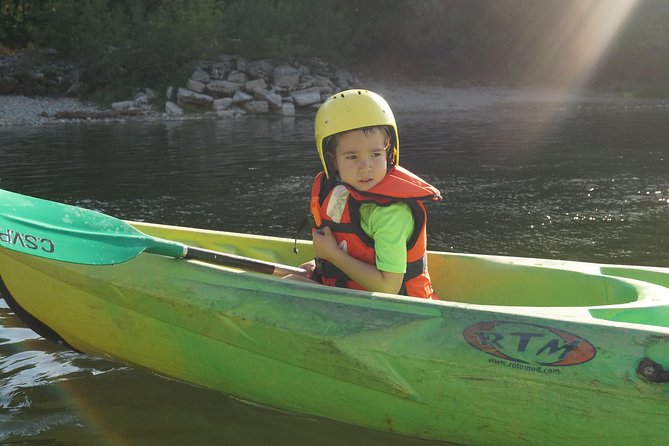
<point x="225" y="88"/>
<point x="256" y="107"/>
<point x="286" y="76"/>
<point x="326" y="92"/>
<point x="241" y="97"/>
<point x="227" y="113"/>
<point x="306" y="97"/>
<point x="122" y="105"/>
<point x="173" y="109"/>
<point x="217" y="73"/>
<point x="273" y="99"/>
<point x="343" y="79"/>
<point x="200" y="75"/>
<point x="219" y="70"/>
<point x="288" y="109"/>
<point x="185" y="96"/>
<point x="195" y="86"/>
<point x="304" y="69"/>
<point x="259" y="69"/>
<point x="222" y="103"/>
<point x="142" y="99"/>
<point x="255" y="84"/>
<point x="320" y="66"/>
<point x="324" y="82"/>
<point x="237" y="76"/>
<point x="307" y="82"/>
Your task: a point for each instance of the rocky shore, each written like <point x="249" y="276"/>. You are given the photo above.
<point x="226" y="87"/>
<point x="233" y="87"/>
<point x="407" y="97"/>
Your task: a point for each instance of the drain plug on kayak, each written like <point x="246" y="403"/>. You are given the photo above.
<point x="652" y="371"/>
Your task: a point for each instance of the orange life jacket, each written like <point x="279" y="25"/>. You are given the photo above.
<point x="338" y="206"/>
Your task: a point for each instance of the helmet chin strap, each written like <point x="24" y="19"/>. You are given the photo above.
<point x="331" y="172"/>
<point x="392" y="157"/>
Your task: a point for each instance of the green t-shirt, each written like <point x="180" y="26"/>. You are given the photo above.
<point x="390" y="227"/>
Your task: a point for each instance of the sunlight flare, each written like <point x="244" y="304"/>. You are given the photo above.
<point x="575" y="41"/>
<point x="561" y="50"/>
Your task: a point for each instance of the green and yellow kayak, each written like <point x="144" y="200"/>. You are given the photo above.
<point x="530" y="351"/>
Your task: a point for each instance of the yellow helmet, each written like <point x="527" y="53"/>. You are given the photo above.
<point x="355" y="109"/>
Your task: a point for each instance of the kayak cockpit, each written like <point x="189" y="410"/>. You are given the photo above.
<point x="467" y="278"/>
<point x="493" y="280"/>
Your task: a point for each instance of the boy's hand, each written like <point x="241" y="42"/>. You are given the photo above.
<point x="310" y="268"/>
<point x="325" y="245"/>
<point x="365" y="274"/>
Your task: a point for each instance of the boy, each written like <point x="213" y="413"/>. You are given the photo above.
<point x="370" y="221"/>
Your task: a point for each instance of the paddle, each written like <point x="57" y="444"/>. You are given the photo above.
<point x="72" y="234"/>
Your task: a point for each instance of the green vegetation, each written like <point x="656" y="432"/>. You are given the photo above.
<point x="124" y="44"/>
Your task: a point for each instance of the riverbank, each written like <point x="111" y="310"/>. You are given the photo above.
<point x="432" y="96"/>
<point x="22" y="110"/>
<point x="404" y="97"/>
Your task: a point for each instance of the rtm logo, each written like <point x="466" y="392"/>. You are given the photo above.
<point x="529" y="343"/>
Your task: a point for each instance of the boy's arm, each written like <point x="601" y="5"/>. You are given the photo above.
<point x="365" y="274"/>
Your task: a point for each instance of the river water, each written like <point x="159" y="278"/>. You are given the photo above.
<point x="584" y="182"/>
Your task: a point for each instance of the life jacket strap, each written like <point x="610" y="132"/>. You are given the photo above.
<point x="415" y="268"/>
<point x="348" y="228"/>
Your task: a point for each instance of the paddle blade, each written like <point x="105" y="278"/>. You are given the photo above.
<point x="71" y="234"/>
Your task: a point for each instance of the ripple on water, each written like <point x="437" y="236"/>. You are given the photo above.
<point x="32" y="369"/>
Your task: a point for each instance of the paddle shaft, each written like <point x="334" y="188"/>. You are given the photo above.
<point x="240" y="262"/>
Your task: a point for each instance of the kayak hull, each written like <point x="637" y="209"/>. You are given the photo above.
<point x="483" y="367"/>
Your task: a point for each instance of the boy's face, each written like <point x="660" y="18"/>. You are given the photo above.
<point x="361" y="159"/>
